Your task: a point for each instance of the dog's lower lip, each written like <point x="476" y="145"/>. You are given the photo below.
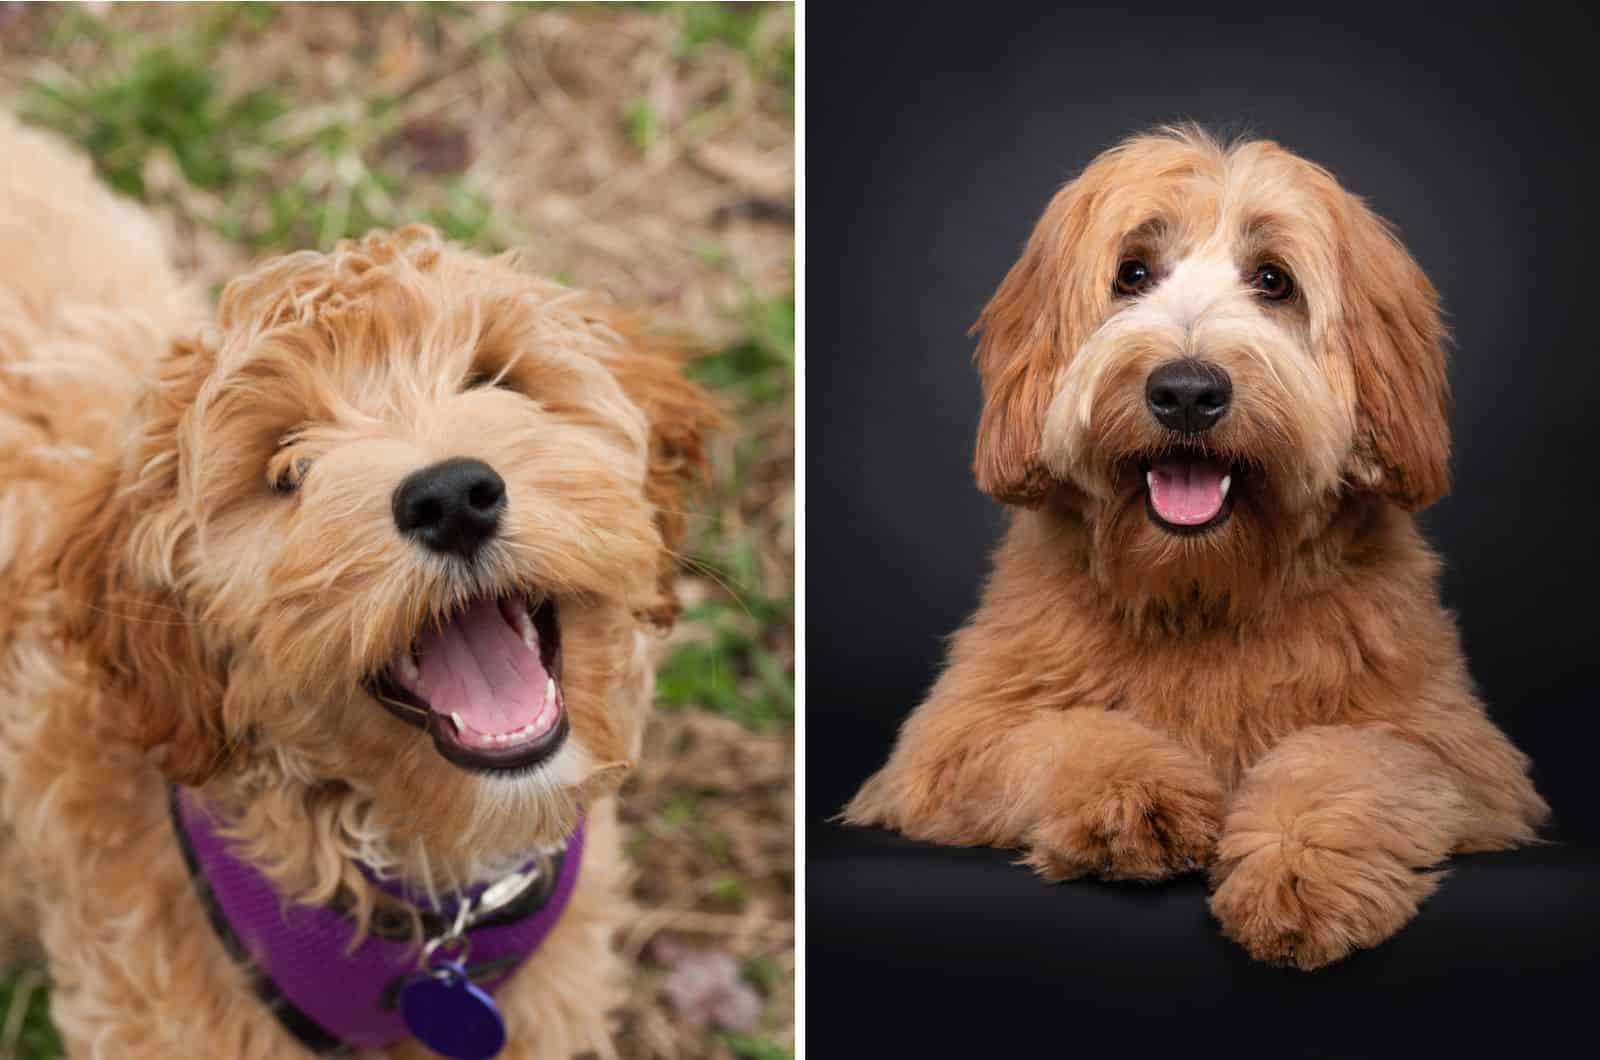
<point x="513" y="754"/>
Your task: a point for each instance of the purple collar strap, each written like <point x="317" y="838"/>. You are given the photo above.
<point x="334" y="999"/>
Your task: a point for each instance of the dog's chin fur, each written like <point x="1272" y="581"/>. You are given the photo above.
<point x="205" y="577"/>
<point x="1275" y="691"/>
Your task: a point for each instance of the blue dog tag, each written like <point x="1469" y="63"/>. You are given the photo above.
<point x="451" y="1015"/>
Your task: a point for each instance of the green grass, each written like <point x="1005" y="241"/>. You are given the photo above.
<point x="27" y="1033"/>
<point x="639" y="119"/>
<point x="732" y="672"/>
<point x="724" y="23"/>
<point x="163" y="101"/>
<point x="759" y="368"/>
<point x="732" y="667"/>
<point x="736" y="26"/>
<point x="754" y="1048"/>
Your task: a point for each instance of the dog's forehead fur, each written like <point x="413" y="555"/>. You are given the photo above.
<point x="1178" y="196"/>
<point x="380" y="331"/>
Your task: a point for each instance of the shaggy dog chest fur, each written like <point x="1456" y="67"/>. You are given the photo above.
<point x="1214" y="392"/>
<point x="372" y="563"/>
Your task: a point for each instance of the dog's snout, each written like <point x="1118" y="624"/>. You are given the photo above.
<point x="1188" y="395"/>
<point x="451" y="507"/>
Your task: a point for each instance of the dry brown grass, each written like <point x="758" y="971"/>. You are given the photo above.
<point x="644" y="151"/>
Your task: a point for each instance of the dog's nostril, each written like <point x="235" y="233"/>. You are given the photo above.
<point x="485" y="494"/>
<point x="452" y="507"/>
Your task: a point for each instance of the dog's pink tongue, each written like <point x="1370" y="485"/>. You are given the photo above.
<point x="478" y="667"/>
<point x="1186" y="490"/>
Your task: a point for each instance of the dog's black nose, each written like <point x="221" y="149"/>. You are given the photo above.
<point x="1188" y="395"/>
<point x="453" y="506"/>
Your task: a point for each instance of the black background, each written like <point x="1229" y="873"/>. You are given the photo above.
<point x="935" y="137"/>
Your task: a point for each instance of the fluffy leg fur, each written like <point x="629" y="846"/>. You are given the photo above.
<point x="1326" y="842"/>
<point x="1083" y="791"/>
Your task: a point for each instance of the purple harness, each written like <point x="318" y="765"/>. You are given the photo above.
<point x="334" y="999"/>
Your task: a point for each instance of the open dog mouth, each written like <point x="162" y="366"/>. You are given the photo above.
<point x="1190" y="492"/>
<point x="486" y="685"/>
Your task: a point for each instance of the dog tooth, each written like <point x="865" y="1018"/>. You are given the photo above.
<point x="525" y="627"/>
<point x="1227" y="480"/>
<point x="459" y="724"/>
<point x="1150" y="479"/>
<point x="549" y="692"/>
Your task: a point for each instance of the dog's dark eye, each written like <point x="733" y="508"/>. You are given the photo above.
<point x="1133" y="276"/>
<point x="1273" y="281"/>
<point x="476" y="380"/>
<point x="288" y="477"/>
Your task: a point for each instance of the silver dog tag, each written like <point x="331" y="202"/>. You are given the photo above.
<point x="504" y="891"/>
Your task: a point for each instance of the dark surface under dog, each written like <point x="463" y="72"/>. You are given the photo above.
<point x="959" y="950"/>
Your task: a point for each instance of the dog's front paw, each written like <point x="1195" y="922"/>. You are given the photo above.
<point x="1133" y="828"/>
<point x="1288" y="902"/>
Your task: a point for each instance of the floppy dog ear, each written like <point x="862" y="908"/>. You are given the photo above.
<point x="1394" y="334"/>
<point x="1022" y="347"/>
<point x="114" y="565"/>
<point x="682" y="420"/>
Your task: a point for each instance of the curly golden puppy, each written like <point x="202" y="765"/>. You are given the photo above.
<point x="349" y="598"/>
<point x="1214" y="389"/>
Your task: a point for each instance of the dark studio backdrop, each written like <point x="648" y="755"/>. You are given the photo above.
<point x="935" y="137"/>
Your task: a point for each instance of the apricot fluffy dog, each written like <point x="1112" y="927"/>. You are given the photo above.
<point x="216" y="562"/>
<point x="1214" y="388"/>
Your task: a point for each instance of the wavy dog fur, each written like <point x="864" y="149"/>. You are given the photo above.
<point x="1281" y="698"/>
<point x="173" y="613"/>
